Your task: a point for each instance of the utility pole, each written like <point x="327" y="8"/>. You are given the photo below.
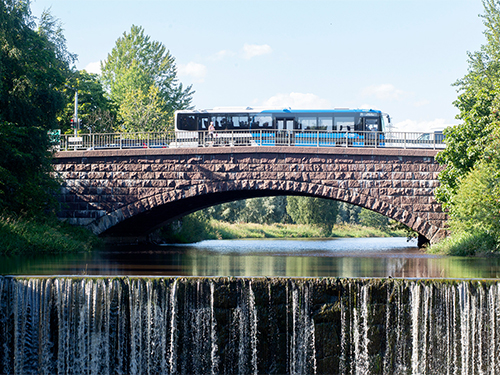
<point x="76" y="114"/>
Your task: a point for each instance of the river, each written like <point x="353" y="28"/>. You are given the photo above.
<point x="295" y="307"/>
<point x="359" y="257"/>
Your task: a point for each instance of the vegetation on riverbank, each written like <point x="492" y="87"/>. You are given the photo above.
<point x="250" y="230"/>
<point x="478" y="243"/>
<point x="43" y="235"/>
<point x="469" y="185"/>
<point x="195" y="227"/>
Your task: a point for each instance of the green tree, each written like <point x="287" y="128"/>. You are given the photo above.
<point x="96" y="111"/>
<point x="475" y="212"/>
<point x="373" y="219"/>
<point x="348" y="213"/>
<point x="478" y="103"/>
<point x="266" y="210"/>
<point x="310" y="210"/>
<point x="31" y="73"/>
<point x="142" y="72"/>
<point x="34" y="66"/>
<point x="477" y="200"/>
<point x="143" y="110"/>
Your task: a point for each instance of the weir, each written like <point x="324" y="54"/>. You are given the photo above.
<point x="248" y="326"/>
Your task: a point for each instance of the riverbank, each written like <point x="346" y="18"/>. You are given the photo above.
<point x="473" y="243"/>
<point x="193" y="230"/>
<point x="43" y="235"/>
<point x="249" y="230"/>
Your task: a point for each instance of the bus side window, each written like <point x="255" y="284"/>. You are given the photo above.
<point x="239" y="122"/>
<point x="325" y="123"/>
<point x="203" y="123"/>
<point x="344" y="124"/>
<point x="262" y="122"/>
<point x="358" y="124"/>
<point x="307" y="123"/>
<point x="186" y="122"/>
<point x="220" y="122"/>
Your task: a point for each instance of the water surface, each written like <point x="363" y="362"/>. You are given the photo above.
<point x="361" y="257"/>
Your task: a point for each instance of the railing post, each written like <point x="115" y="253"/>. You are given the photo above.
<point x="317" y="138"/>
<point x="120" y="141"/>
<point x="404" y="140"/>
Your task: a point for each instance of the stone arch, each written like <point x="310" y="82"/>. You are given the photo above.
<point x="150" y="208"/>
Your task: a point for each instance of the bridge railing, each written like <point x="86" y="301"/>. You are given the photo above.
<point x="306" y="138"/>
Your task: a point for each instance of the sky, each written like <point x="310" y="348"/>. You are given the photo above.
<point x="399" y="56"/>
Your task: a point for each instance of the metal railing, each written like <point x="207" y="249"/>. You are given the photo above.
<point x="236" y="138"/>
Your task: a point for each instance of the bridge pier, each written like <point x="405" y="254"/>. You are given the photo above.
<point x="422" y="241"/>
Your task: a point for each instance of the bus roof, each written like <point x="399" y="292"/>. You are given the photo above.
<point x="276" y="110"/>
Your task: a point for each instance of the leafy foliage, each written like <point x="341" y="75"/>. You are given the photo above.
<point x="34" y="66"/>
<point x="316" y="211"/>
<point x="143" y="110"/>
<point x="478" y="103"/>
<point x="467" y="244"/>
<point x="97" y="112"/>
<point x="141" y="73"/>
<point x="476" y="205"/>
<point x="30" y="73"/>
<point x="470" y="182"/>
<point x="373" y="219"/>
<point x="43" y="235"/>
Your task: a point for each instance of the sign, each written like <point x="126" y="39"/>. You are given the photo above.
<point x="75" y="139"/>
<point x="54" y="136"/>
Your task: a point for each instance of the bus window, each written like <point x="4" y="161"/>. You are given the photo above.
<point x="203" y="122"/>
<point x="307" y="123"/>
<point x="220" y="122"/>
<point x="358" y="124"/>
<point x="371" y="124"/>
<point x="325" y="123"/>
<point x="240" y="122"/>
<point x="186" y="122"/>
<point x="262" y="122"/>
<point x="344" y="123"/>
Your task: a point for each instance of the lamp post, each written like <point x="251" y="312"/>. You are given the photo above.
<point x="76" y="113"/>
<point x="74" y="121"/>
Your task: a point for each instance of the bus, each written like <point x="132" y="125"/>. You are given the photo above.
<point x="275" y="127"/>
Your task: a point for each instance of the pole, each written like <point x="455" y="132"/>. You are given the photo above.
<point x="76" y="113"/>
<point x="75" y="130"/>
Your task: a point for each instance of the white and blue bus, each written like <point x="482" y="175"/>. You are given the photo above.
<point x="274" y="127"/>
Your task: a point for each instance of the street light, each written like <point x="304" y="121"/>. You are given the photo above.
<point x="74" y="121"/>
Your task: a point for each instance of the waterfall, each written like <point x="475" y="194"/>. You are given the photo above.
<point x="222" y="325"/>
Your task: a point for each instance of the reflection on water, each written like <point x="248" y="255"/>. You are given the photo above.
<point x="369" y="257"/>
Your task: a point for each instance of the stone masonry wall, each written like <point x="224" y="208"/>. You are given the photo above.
<point x="104" y="188"/>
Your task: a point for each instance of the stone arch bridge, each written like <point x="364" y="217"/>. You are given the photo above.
<point x="130" y="193"/>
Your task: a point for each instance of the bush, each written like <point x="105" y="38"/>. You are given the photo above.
<point x="476" y="242"/>
<point x="44" y="235"/>
<point x="194" y="227"/>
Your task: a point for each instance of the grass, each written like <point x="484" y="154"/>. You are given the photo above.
<point x="43" y="235"/>
<point x="478" y="243"/>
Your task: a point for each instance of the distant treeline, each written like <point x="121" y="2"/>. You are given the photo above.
<point x="315" y="212"/>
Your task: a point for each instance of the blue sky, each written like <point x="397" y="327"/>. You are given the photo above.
<point x="399" y="56"/>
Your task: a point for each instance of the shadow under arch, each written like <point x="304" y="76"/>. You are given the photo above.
<point x="145" y="215"/>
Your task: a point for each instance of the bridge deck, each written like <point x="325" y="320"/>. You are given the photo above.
<point x="249" y="150"/>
